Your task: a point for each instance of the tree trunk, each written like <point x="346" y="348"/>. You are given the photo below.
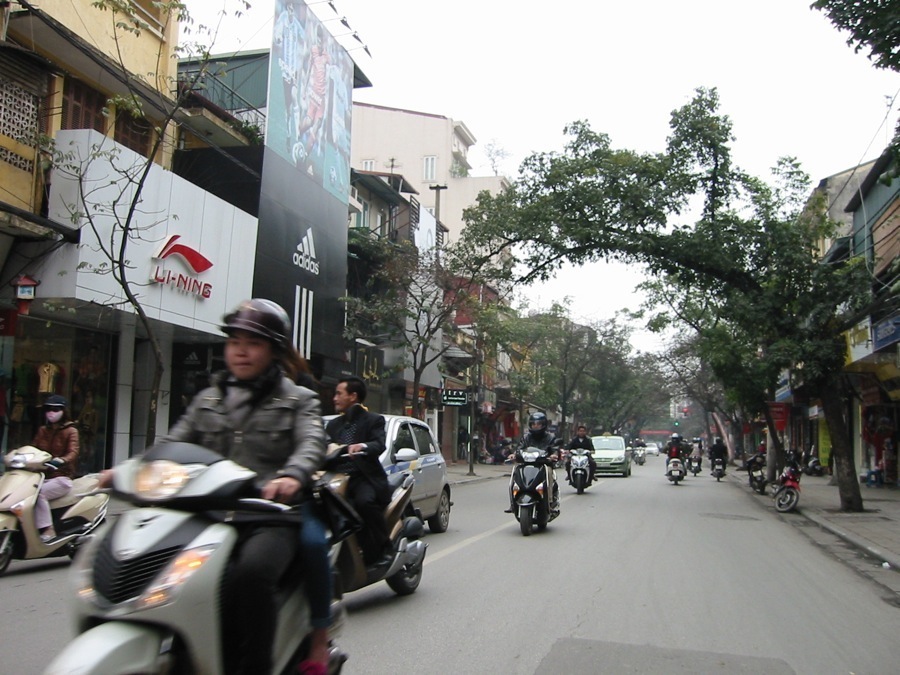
<point x="841" y="447"/>
<point x="775" y="459"/>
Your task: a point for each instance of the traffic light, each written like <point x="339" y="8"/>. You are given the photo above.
<point x="677" y="423"/>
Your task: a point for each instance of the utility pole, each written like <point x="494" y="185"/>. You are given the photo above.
<point x="437" y="200"/>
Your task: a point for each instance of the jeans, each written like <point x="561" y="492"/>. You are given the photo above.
<point x="314" y="552"/>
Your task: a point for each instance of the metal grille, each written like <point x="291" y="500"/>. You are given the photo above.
<point x="121" y="580"/>
<point x="18" y="120"/>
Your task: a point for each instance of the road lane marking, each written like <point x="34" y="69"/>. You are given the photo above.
<point x="478" y="537"/>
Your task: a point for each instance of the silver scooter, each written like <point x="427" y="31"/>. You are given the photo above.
<point x="147" y="590"/>
<point x="75" y="515"/>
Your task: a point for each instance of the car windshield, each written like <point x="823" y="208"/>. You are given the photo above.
<point x="608" y="443"/>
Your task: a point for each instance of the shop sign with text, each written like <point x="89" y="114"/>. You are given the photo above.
<point x="454" y="397"/>
<point x="194" y="262"/>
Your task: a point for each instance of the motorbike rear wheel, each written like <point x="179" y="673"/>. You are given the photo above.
<point x="786" y="499"/>
<point x="526" y="516"/>
<point x="406" y="581"/>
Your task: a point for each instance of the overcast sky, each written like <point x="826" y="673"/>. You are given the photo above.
<point x="517" y="72"/>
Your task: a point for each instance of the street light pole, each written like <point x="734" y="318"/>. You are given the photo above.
<point x="437" y="200"/>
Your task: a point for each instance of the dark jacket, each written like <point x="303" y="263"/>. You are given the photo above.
<point x="277" y="433"/>
<point x="548" y="442"/>
<point x="578" y="442"/>
<point x="358" y="425"/>
<point x="718" y="451"/>
<point x="60" y="441"/>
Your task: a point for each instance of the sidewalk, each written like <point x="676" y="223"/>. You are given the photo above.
<point x="459" y="472"/>
<point x="876" y="530"/>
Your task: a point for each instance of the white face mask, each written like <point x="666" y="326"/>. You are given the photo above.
<point x="54" y="416"/>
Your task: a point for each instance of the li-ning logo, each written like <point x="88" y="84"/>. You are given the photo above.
<point x="186" y="283"/>
<point x="305" y="255"/>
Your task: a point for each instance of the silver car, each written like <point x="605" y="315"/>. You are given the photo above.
<point x="431" y="492"/>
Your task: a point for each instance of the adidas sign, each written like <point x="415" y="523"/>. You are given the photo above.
<point x="305" y="255"/>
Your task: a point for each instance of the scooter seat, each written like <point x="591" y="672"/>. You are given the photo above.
<point x="80" y="487"/>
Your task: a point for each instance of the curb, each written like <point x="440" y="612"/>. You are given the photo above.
<point x="854" y="540"/>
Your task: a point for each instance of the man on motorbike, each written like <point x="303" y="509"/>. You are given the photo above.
<point x="363" y="434"/>
<point x="580" y="440"/>
<point x="538" y="436"/>
<point x="676" y="448"/>
<point x="718" y="451"/>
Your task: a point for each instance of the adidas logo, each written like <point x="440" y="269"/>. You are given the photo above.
<point x="305" y="255"/>
<point x="192" y="359"/>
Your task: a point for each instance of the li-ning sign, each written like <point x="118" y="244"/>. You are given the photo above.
<point x="190" y="284"/>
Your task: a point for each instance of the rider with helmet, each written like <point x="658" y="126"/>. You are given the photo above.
<point x="254" y="414"/>
<point x="538" y="436"/>
<point x="697" y="452"/>
<point x="718" y="451"/>
<point x="676" y="448"/>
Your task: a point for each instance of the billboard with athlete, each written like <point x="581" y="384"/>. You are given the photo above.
<point x="309" y="102"/>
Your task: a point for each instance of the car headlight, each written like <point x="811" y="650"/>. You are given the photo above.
<point x="620" y="458"/>
<point x="175" y="575"/>
<point x="162" y="479"/>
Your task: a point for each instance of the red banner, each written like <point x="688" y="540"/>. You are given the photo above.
<point x="780" y="413"/>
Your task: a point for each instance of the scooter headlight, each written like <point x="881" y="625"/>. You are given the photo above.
<point x="174" y="576"/>
<point x="162" y="479"/>
<point x="530" y="455"/>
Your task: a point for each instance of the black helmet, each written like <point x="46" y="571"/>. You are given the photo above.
<point x="55" y="401"/>
<point x="537" y="423"/>
<point x="262" y="317"/>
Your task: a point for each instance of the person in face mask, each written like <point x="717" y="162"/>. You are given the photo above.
<point x="59" y="437"/>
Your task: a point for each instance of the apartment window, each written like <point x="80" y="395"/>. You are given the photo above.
<point x="429" y="168"/>
<point x="133" y="133"/>
<point x="368" y="165"/>
<point x="362" y="218"/>
<point x="82" y="107"/>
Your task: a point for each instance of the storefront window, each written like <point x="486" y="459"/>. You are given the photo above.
<point x="46" y="357"/>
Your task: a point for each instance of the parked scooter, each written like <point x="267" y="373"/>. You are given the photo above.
<point x="811" y="465"/>
<point x="148" y="588"/>
<point x="75" y="515"/>
<point x="787" y="494"/>
<point x="534" y="495"/>
<point x="404" y="524"/>
<point x="718" y="470"/>
<point x="675" y="470"/>
<point x="581" y="476"/>
<point x="756" y="470"/>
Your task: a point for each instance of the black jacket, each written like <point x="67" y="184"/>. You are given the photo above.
<point x="578" y="442"/>
<point x="358" y="425"/>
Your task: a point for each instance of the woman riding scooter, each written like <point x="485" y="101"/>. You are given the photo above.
<point x="242" y="416"/>
<point x="59" y="437"/>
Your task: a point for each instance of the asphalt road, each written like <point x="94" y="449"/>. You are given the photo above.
<point x="636" y="576"/>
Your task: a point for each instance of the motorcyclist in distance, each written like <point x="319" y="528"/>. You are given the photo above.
<point x="697" y="451"/>
<point x="718" y="451"/>
<point x="580" y="440"/>
<point x="676" y="448"/>
<point x="538" y="436"/>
